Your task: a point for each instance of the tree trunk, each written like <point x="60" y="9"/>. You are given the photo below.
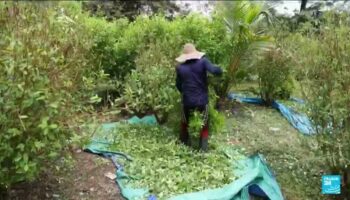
<point x="221" y="103"/>
<point x="303" y="5"/>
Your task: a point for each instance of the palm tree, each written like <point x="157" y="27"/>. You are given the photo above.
<point x="246" y="23"/>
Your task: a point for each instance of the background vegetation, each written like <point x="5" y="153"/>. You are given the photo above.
<point x="58" y="61"/>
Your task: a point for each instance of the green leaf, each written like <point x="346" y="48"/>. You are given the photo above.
<point x="25" y="168"/>
<point x="39" y="144"/>
<point x="20" y="147"/>
<point x="53" y="126"/>
<point x="23" y="116"/>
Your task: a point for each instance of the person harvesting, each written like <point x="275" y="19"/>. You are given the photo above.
<point x="192" y="83"/>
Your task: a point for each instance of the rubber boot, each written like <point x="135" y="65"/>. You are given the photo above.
<point x="203" y="141"/>
<point x="184" y="136"/>
<point x="203" y="144"/>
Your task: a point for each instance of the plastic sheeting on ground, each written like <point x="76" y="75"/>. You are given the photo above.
<point x="298" y="120"/>
<point x="255" y="178"/>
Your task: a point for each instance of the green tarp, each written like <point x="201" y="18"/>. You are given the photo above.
<point x="254" y="175"/>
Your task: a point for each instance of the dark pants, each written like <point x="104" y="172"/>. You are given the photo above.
<point x="204" y="133"/>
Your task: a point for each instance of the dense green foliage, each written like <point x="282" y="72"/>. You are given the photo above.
<point x="274" y="71"/>
<point x="40" y="85"/>
<point x="104" y="52"/>
<point x="150" y="88"/>
<point x="52" y="56"/>
<point x="155" y="147"/>
<point x="247" y="24"/>
<point x="129" y="9"/>
<point x="155" y="43"/>
<point x="148" y="36"/>
<point x="322" y="59"/>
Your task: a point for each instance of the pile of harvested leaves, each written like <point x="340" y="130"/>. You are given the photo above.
<point x="167" y="168"/>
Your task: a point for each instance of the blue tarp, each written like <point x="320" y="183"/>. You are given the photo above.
<point x="298" y="120"/>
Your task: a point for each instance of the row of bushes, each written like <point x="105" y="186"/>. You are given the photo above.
<point x="143" y="54"/>
<point x="322" y="61"/>
<point x="140" y="56"/>
<point x="46" y="76"/>
<point x="54" y="58"/>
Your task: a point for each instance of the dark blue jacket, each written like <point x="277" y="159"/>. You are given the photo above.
<point x="191" y="81"/>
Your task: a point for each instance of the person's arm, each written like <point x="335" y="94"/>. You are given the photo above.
<point x="211" y="68"/>
<point x="178" y="82"/>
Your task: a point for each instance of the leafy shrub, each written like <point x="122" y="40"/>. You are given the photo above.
<point x="152" y="43"/>
<point x="327" y="89"/>
<point x="210" y="36"/>
<point x="136" y="38"/>
<point x="105" y="56"/>
<point x="150" y="88"/>
<point x="44" y="75"/>
<point x="274" y="71"/>
<point x="104" y="37"/>
<point x="117" y="45"/>
<point x="156" y="47"/>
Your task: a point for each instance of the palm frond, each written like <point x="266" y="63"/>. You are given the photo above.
<point x="247" y="23"/>
<point x="233" y="13"/>
<point x="252" y="13"/>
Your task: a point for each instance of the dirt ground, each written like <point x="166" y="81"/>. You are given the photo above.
<point x="86" y="180"/>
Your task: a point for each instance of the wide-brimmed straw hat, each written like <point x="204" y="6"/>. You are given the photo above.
<point x="189" y="52"/>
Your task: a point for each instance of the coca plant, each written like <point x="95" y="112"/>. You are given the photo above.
<point x="44" y="69"/>
<point x="327" y="87"/>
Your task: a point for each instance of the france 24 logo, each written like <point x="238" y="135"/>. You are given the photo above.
<point x="331" y="184"/>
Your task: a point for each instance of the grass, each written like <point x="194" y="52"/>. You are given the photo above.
<point x="263" y="130"/>
<point x="251" y="88"/>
